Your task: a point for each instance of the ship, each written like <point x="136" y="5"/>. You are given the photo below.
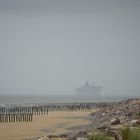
<point x="88" y="90"/>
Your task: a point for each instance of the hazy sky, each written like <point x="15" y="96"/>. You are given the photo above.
<point x="52" y="47"/>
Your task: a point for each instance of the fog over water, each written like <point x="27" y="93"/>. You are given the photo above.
<point x="52" y="47"/>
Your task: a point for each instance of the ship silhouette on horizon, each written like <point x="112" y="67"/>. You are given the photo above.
<point x="88" y="90"/>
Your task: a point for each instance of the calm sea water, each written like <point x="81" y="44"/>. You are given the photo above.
<point x="45" y="99"/>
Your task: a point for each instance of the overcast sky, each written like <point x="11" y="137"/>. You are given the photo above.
<point x="52" y="47"/>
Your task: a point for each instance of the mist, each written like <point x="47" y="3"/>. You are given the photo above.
<point x="53" y="47"/>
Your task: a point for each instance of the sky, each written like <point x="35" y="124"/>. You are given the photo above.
<point x="52" y="47"/>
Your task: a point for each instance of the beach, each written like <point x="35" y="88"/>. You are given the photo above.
<point x="54" y="123"/>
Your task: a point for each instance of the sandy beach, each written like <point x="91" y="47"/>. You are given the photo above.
<point x="54" y="123"/>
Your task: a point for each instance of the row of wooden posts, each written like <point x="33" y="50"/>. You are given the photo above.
<point x="26" y="117"/>
<point x="26" y="113"/>
<point x="21" y="113"/>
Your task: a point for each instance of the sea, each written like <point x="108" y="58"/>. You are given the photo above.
<point x="16" y="99"/>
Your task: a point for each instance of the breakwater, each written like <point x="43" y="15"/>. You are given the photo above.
<point x="25" y="113"/>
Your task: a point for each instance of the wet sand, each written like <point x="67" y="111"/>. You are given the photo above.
<point x="54" y="123"/>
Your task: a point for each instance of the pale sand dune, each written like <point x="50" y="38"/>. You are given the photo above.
<point x="54" y="123"/>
